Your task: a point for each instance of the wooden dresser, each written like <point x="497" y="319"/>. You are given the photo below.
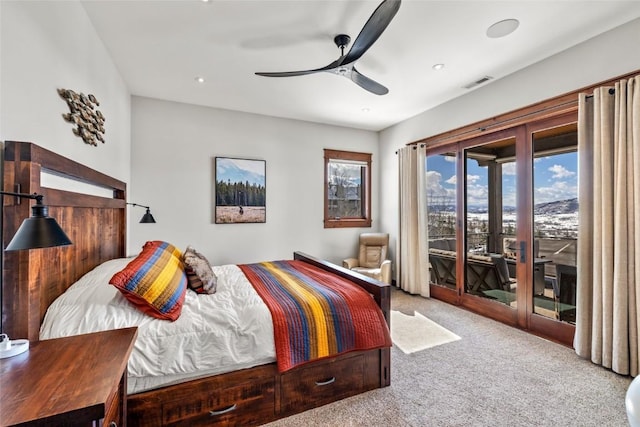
<point x="79" y="380"/>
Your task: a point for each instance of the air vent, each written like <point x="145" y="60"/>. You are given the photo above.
<point x="478" y="82"/>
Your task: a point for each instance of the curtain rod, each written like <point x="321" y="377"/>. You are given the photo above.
<point x="611" y="92"/>
<point x="414" y="146"/>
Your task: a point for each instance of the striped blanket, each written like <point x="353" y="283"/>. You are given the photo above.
<point x="316" y="314"/>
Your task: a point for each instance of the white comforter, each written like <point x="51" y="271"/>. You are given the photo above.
<point x="229" y="330"/>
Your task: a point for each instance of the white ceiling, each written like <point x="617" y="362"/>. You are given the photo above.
<point x="161" y="46"/>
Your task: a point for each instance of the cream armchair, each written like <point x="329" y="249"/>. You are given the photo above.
<point x="372" y="258"/>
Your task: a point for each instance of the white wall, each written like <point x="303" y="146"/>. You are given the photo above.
<point x="604" y="57"/>
<point x="173" y="150"/>
<point x="49" y="45"/>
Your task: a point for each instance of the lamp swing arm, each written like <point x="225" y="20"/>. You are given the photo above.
<point x="135" y="204"/>
<point x="35" y="196"/>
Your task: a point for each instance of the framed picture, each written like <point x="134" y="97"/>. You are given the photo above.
<point x="241" y="189"/>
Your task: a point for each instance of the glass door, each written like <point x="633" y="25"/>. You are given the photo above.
<point x="555" y="229"/>
<point x="490" y="212"/>
<point x="502" y="211"/>
<point x="555" y="213"/>
<point x="442" y="225"/>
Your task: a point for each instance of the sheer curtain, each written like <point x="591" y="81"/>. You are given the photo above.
<point x="413" y="261"/>
<point x="609" y="227"/>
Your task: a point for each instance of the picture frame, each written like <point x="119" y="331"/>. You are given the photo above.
<point x="240" y="190"/>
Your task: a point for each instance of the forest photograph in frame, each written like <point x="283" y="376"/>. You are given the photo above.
<point x="240" y="190"/>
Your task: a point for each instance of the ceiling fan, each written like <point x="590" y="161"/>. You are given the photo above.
<point x="344" y="66"/>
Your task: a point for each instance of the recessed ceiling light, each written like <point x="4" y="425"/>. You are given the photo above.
<point x="199" y="79"/>
<point x="365" y="110"/>
<point x="438" y="67"/>
<point x="502" y="28"/>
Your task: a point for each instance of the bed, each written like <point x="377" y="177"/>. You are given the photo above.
<point x="245" y="396"/>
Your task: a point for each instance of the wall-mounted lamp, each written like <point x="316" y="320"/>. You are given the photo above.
<point x="147" y="218"/>
<point x="37" y="231"/>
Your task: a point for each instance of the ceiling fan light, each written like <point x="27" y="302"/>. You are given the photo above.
<point x="502" y="28"/>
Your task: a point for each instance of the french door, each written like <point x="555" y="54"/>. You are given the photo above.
<point x="502" y="211"/>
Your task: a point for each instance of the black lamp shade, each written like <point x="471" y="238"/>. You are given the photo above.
<point x="147" y="218"/>
<point x="39" y="231"/>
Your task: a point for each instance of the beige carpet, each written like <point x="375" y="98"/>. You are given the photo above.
<point x="495" y="376"/>
<point x="416" y="333"/>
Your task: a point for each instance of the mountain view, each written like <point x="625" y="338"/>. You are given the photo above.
<point x="557" y="207"/>
<point x="568" y="206"/>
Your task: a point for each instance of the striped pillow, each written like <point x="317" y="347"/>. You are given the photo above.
<point x="154" y="281"/>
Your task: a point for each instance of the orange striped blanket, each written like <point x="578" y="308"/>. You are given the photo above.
<point x="316" y="314"/>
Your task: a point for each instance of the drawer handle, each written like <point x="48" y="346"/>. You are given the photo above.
<point x="327" y="382"/>
<point x="223" y="411"/>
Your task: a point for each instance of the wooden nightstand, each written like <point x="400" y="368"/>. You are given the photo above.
<point x="78" y="380"/>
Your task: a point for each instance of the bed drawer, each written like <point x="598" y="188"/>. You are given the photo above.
<point x="242" y="404"/>
<point x="316" y="385"/>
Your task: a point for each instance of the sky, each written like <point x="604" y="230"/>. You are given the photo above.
<point x="240" y="170"/>
<point x="555" y="178"/>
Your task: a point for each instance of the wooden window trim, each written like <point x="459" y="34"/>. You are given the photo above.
<point x="347" y="222"/>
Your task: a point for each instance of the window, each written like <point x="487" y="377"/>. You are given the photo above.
<point x="347" y="189"/>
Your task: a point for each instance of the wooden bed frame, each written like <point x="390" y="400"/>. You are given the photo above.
<point x="97" y="227"/>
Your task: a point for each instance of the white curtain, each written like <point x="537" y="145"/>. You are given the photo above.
<point x="413" y="258"/>
<point x="608" y="270"/>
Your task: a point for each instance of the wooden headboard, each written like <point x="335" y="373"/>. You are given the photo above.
<point x="32" y="279"/>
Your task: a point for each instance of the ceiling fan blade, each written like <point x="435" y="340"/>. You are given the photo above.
<point x="287" y="73"/>
<point x="331" y="66"/>
<point x="367" y="84"/>
<point x="374" y="27"/>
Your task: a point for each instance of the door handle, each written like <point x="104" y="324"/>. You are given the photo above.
<point x="523" y="255"/>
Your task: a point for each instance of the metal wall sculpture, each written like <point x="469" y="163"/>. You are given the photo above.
<point x="84" y="114"/>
